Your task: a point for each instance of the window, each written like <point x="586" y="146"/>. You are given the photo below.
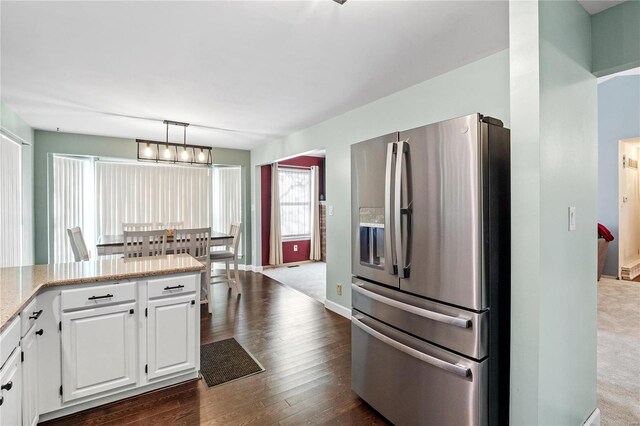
<point x="227" y="199"/>
<point x="73" y="204"/>
<point x="135" y="192"/>
<point x="295" y="203"/>
<point x="10" y="202"/>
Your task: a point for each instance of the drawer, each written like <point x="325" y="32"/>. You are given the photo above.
<point x="411" y="382"/>
<point x="171" y="285"/>
<point x="29" y="316"/>
<point x="457" y="329"/>
<point x="9" y="340"/>
<point x="97" y="295"/>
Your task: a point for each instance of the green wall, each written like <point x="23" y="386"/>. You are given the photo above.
<point x="616" y="38"/>
<point x="12" y="125"/>
<point x="554" y="153"/>
<point x="482" y="86"/>
<point x="48" y="143"/>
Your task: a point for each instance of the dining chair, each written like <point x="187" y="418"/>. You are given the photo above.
<point x="145" y="243"/>
<point x="227" y="256"/>
<point x="137" y="226"/>
<point x="197" y="243"/>
<point x="78" y="246"/>
<point x="168" y="225"/>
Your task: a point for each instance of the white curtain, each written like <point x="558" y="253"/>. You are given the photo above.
<point x="315" y="252"/>
<point x="275" y="238"/>
<point x="227" y="198"/>
<point x="72" y="204"/>
<point x="10" y="203"/>
<point x="134" y="192"/>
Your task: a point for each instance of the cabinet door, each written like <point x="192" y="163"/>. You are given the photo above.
<point x="98" y="350"/>
<point x="29" y="346"/>
<point x="11" y="393"/>
<point x="171" y="335"/>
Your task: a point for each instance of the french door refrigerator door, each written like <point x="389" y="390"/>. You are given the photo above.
<point x="439" y="178"/>
<point x="372" y="165"/>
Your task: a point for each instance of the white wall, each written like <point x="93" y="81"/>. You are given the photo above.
<point x="482" y="86"/>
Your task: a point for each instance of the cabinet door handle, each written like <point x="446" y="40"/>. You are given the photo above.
<point x="40" y="332"/>
<point x="36" y="315"/>
<point x="101" y="297"/>
<point x="173" y="287"/>
<point x="7" y="386"/>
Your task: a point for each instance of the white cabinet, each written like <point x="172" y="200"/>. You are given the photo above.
<point x="99" y="351"/>
<point x="29" y="347"/>
<point x="11" y="390"/>
<point x="171" y="335"/>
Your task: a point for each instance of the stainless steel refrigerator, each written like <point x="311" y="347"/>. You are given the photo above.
<point x="431" y="273"/>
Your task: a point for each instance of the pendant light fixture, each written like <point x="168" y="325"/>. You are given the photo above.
<point x="169" y="152"/>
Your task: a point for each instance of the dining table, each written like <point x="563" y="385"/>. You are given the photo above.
<point x="114" y="244"/>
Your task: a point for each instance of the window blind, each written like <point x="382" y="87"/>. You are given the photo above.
<point x="227" y="198"/>
<point x="10" y="202"/>
<point x="134" y="192"/>
<point x="73" y="204"/>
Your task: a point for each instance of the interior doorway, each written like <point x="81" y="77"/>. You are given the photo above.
<point x="293" y="218"/>
<point x="629" y="209"/>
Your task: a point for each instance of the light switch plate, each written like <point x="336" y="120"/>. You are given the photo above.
<point x="572" y="218"/>
<point x="330" y="210"/>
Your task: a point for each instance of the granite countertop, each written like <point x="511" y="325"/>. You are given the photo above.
<point x="19" y="285"/>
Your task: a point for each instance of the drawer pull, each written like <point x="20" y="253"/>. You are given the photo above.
<point x="36" y="315"/>
<point x="7" y="386"/>
<point x="461" y="322"/>
<point x="101" y="297"/>
<point x="456" y="369"/>
<point x="40" y="332"/>
<point x="174" y="287"/>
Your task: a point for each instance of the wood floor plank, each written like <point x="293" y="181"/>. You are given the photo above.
<point x="304" y="348"/>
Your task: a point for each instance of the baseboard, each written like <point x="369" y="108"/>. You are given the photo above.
<point x="241" y="267"/>
<point x="594" y="418"/>
<point x="338" y="309"/>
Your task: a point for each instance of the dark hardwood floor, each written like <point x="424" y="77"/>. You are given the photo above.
<point x="304" y="348"/>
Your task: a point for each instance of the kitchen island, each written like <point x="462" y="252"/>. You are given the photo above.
<point x="78" y="335"/>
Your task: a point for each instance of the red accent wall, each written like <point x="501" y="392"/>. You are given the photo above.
<point x="304" y="246"/>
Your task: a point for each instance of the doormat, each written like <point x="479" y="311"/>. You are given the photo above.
<point x="226" y="360"/>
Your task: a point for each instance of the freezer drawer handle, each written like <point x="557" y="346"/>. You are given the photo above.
<point x="456" y="369"/>
<point x="461" y="322"/>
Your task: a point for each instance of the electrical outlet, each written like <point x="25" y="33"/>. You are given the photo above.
<point x="330" y="210"/>
<point x="339" y="289"/>
<point x="295" y="247"/>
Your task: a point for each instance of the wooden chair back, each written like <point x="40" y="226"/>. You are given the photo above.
<point x="168" y="225"/>
<point x="145" y="243"/>
<point x="137" y="226"/>
<point x="195" y="242"/>
<point x="235" y="229"/>
<point x="78" y="246"/>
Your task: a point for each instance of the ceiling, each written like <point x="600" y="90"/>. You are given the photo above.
<point x="243" y="73"/>
<point x="597" y="6"/>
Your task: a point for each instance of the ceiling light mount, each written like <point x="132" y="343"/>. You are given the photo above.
<point x="169" y="152"/>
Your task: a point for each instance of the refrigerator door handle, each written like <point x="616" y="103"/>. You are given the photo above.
<point x="403" y="266"/>
<point x="456" y="369"/>
<point x="461" y="322"/>
<point x="389" y="248"/>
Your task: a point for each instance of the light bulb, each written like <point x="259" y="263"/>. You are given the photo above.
<point x="184" y="154"/>
<point x="167" y="153"/>
<point x="201" y="156"/>
<point x="148" y="152"/>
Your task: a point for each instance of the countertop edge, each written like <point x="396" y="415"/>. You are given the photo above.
<point x="91" y="280"/>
